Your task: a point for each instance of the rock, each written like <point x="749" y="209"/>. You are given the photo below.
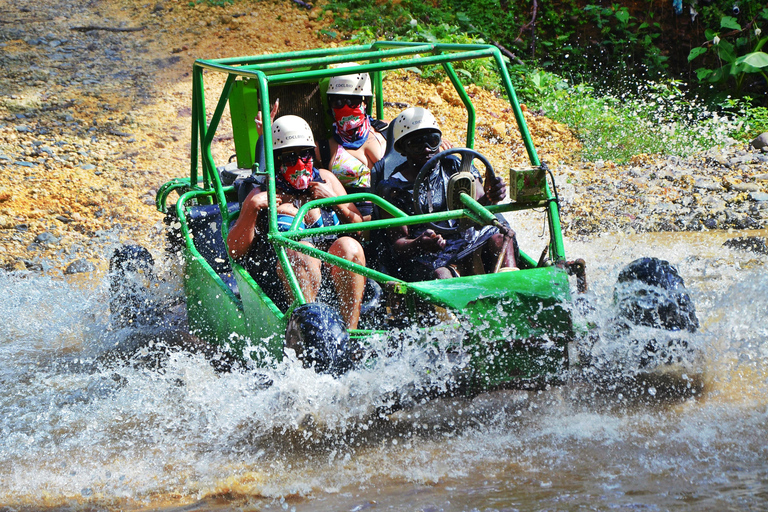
<point x="748" y="243"/>
<point x="745" y="187"/>
<point x="761" y="141"/>
<point x="434" y="99"/>
<point x="707" y="184"/>
<point x="17" y="265"/>
<point x="46" y="238"/>
<point x="758" y="196"/>
<point x="499" y="130"/>
<point x="79" y="267"/>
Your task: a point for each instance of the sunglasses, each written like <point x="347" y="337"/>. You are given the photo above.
<point x="290" y="159"/>
<point x="418" y="142"/>
<point x="337" y="101"/>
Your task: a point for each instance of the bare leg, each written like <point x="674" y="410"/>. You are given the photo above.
<point x="349" y="286"/>
<point x="307" y="270"/>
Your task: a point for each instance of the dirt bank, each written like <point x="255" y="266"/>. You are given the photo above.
<point x="95" y="115"/>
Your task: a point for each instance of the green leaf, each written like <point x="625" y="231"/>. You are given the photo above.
<point x="761" y="43"/>
<point x="695" y="52"/>
<point x="729" y="22"/>
<point x="725" y="50"/>
<point x="764" y="13"/>
<point x="710" y="34"/>
<point x="703" y="73"/>
<point x="755" y="59"/>
<point x="720" y="74"/>
<point x="622" y="15"/>
<point x="642" y="26"/>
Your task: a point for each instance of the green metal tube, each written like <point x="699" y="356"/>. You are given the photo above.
<point x="316" y="52"/>
<point x="350" y="198"/>
<point x="331" y="258"/>
<point x="198" y="102"/>
<point x="471" y="114"/>
<point x="519" y="117"/>
<point x="317" y="74"/>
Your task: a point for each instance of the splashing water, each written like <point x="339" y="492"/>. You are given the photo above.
<point x="83" y="429"/>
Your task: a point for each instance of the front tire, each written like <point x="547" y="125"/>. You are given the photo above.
<point x="318" y="335"/>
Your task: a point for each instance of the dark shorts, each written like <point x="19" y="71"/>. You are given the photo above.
<point x="457" y="248"/>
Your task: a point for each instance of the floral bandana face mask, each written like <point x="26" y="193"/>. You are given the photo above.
<point x="349" y="118"/>
<point x="299" y="175"/>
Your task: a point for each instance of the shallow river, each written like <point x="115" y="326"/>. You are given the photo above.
<point x="79" y="430"/>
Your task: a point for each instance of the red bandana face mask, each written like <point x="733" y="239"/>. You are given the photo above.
<point x="298" y="175"/>
<point x="349" y="118"/>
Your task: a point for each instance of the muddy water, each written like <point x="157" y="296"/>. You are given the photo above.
<point x="83" y="429"/>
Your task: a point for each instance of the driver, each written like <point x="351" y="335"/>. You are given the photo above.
<point x="421" y="253"/>
<point x="298" y="182"/>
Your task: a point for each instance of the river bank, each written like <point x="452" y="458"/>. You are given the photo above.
<point x="95" y="114"/>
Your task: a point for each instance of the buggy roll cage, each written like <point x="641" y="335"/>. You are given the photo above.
<point x="312" y="65"/>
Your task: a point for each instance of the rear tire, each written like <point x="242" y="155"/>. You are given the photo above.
<point x="131" y="274"/>
<point x="318" y="335"/>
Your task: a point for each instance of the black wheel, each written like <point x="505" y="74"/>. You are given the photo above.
<point x="131" y="275"/>
<point x="424" y="191"/>
<point x="318" y="335"/>
<point x="651" y="292"/>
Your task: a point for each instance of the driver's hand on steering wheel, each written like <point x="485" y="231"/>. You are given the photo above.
<point x="429" y="241"/>
<point x="495" y="189"/>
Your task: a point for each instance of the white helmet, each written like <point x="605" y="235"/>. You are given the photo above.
<point x="411" y="120"/>
<point x="358" y="84"/>
<point x="291" y="132"/>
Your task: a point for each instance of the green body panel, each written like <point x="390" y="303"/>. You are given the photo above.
<point x="214" y="313"/>
<point x="516" y="322"/>
<point x="243" y="107"/>
<point x="265" y="323"/>
<point x="461" y="292"/>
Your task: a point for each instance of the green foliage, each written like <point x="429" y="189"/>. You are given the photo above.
<point x="656" y="119"/>
<point x="214" y="3"/>
<point x="738" y="53"/>
<point x="751" y="120"/>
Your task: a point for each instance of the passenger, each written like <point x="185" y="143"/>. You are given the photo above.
<point x="357" y="142"/>
<point x="421" y="253"/>
<point x="298" y="182"/>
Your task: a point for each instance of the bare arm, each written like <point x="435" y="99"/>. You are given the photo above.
<point x="243" y="233"/>
<point x="404" y="245"/>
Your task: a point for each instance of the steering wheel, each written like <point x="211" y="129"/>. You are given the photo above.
<point x="423" y="193"/>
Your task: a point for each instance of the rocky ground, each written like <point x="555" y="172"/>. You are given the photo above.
<point x="95" y="114"/>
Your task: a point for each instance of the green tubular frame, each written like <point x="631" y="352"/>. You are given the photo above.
<point x="312" y="65"/>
